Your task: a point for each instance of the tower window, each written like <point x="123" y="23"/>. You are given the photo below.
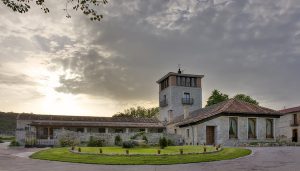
<point x="165" y="83"/>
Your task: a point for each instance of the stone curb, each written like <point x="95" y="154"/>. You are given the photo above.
<point x="76" y="152"/>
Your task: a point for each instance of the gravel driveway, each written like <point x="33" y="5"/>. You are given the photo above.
<point x="262" y="158"/>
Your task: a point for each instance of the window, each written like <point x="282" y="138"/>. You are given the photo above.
<point x="233" y="128"/>
<point x="101" y="130"/>
<point x="182" y="79"/>
<point x="193" y="82"/>
<point x="186" y="95"/>
<point x="175" y="131"/>
<point x="188" y="82"/>
<point x="269" y="128"/>
<point x="164" y="84"/>
<point x="251" y="128"/>
<point x="118" y="130"/>
<point x="188" y="133"/>
<point x="142" y="130"/>
<point x="295" y="118"/>
<point x="79" y="130"/>
<point x="160" y="130"/>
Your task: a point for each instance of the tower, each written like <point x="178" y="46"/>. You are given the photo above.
<point x="179" y="94"/>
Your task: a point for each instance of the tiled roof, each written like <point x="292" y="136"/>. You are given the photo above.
<point x="231" y="106"/>
<point x="90" y="120"/>
<point x="290" y="110"/>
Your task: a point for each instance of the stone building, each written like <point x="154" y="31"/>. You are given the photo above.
<point x="44" y="128"/>
<point x="289" y="124"/>
<point x="231" y="122"/>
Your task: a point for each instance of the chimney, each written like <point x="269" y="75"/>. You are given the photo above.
<point x="170" y="115"/>
<point x="186" y="111"/>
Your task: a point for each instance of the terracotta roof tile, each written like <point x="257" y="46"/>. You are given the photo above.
<point x="233" y="106"/>
<point x="290" y="110"/>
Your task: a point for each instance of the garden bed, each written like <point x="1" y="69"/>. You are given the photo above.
<point x="64" y="155"/>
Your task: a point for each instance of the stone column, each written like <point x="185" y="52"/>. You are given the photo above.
<point x="85" y="130"/>
<point x="48" y="133"/>
<point x="146" y="130"/>
<point x="106" y="130"/>
<point x="127" y="130"/>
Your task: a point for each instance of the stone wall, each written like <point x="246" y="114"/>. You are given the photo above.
<point x="221" y="124"/>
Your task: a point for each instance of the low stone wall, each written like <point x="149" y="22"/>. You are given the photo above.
<point x="109" y="138"/>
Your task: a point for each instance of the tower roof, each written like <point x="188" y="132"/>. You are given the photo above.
<point x="177" y="74"/>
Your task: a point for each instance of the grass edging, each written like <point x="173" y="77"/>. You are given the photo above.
<point x="64" y="155"/>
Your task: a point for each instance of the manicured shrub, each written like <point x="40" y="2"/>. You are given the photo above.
<point x="129" y="144"/>
<point x="170" y="142"/>
<point x="118" y="140"/>
<point x="204" y="149"/>
<point x="145" y="139"/>
<point x="158" y="151"/>
<point x="181" y="151"/>
<point x="79" y="149"/>
<point x="100" y="151"/>
<point x="163" y="142"/>
<point x="73" y="148"/>
<point x="1" y="141"/>
<point x="127" y="152"/>
<point x="14" y="143"/>
<point x="95" y="142"/>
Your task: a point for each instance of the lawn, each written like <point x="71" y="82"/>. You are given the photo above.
<point x="149" y="150"/>
<point x="63" y="154"/>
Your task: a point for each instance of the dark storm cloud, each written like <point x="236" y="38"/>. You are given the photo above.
<point x="241" y="46"/>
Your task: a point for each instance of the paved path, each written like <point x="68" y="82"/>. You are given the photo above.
<point x="263" y="158"/>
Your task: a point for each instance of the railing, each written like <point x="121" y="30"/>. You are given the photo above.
<point x="163" y="103"/>
<point x="294" y="123"/>
<point x="187" y="101"/>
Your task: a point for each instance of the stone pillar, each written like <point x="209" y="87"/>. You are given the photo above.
<point x="48" y="133"/>
<point x="106" y="130"/>
<point x="146" y="130"/>
<point x="127" y="130"/>
<point x="85" y="130"/>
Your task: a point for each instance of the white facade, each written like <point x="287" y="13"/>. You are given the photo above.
<point x="286" y="126"/>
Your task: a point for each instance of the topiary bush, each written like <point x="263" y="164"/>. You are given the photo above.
<point x="163" y="142"/>
<point x="118" y="140"/>
<point x="14" y="143"/>
<point x="95" y="142"/>
<point x="129" y="144"/>
<point x="145" y="139"/>
<point x="1" y="141"/>
<point x="170" y="142"/>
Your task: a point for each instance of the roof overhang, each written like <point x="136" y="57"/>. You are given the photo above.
<point x="176" y="74"/>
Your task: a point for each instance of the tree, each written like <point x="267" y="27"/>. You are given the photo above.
<point x="87" y="7"/>
<point x="138" y="112"/>
<point x="216" y="97"/>
<point x="246" y="98"/>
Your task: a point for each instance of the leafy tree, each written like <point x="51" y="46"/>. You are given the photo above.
<point x="87" y="7"/>
<point x="216" y="97"/>
<point x="138" y="112"/>
<point x="246" y="98"/>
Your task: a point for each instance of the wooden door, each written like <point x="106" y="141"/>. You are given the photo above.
<point x="295" y="135"/>
<point x="210" y="135"/>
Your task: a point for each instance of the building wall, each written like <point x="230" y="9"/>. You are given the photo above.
<point x="285" y="129"/>
<point x="174" y="95"/>
<point x="198" y="132"/>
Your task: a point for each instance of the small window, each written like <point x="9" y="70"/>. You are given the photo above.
<point x="182" y="81"/>
<point x="142" y="130"/>
<point x="233" y="128"/>
<point x="160" y="130"/>
<point x="193" y="82"/>
<point x="251" y="128"/>
<point x="101" y="130"/>
<point x="186" y="95"/>
<point x="188" y="82"/>
<point x="80" y="130"/>
<point x="188" y="133"/>
<point x="269" y="128"/>
<point x="118" y="130"/>
<point x="175" y="131"/>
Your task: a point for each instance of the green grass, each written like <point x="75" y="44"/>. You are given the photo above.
<point x="7" y="138"/>
<point x="63" y="154"/>
<point x="149" y="150"/>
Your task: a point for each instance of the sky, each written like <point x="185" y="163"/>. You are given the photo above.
<point x="50" y="64"/>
